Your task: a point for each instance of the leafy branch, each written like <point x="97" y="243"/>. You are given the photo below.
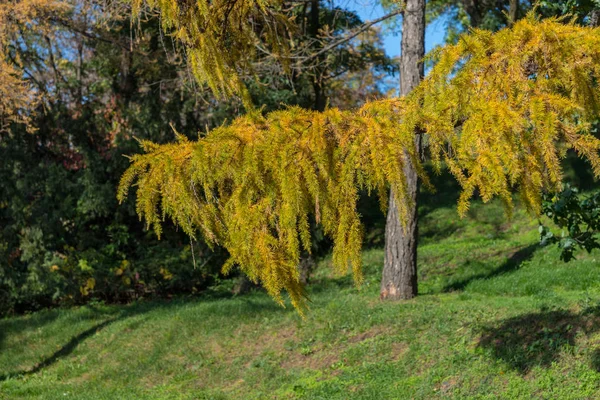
<point x="577" y="216"/>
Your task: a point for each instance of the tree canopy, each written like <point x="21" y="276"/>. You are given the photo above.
<point x="16" y="98"/>
<point x="498" y="109"/>
<point x="216" y="45"/>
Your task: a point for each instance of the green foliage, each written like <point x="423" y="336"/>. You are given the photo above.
<point x="460" y="16"/>
<point x="63" y="237"/>
<point x="499" y="110"/>
<point x="577" y="216"/>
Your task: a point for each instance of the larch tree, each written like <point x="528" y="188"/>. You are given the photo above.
<point x="399" y="277"/>
<point x="499" y="110"/>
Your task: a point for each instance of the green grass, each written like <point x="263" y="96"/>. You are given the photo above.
<point x="497" y="317"/>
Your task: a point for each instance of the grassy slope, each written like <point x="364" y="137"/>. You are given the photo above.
<point x="497" y="318"/>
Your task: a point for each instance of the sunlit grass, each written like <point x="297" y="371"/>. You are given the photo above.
<point x="498" y="317"/>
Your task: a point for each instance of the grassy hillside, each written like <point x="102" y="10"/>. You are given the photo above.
<point x="497" y="317"/>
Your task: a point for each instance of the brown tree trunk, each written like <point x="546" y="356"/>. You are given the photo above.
<point x="595" y="18"/>
<point x="320" y="100"/>
<point x="399" y="280"/>
<point x="307" y="262"/>
<point x="473" y="9"/>
<point x="513" y="11"/>
<point x="306" y="267"/>
<point x="243" y="285"/>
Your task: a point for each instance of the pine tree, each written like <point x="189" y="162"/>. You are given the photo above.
<point x="499" y="110"/>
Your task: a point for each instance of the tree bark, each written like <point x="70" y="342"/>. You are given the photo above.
<point x="513" y="11"/>
<point x="595" y="18"/>
<point x="243" y="286"/>
<point x="314" y="28"/>
<point x="306" y="267"/>
<point x="399" y="278"/>
<point x="473" y="9"/>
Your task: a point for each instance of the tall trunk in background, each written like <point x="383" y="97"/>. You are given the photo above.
<point x="399" y="280"/>
<point x="307" y="261"/>
<point x="473" y="9"/>
<point x="314" y="28"/>
<point x="513" y="11"/>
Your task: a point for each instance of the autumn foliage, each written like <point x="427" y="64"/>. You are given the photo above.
<point x="17" y="98"/>
<point x="218" y="44"/>
<point x="498" y="109"/>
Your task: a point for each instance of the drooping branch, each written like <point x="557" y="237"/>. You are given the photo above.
<point x="497" y="124"/>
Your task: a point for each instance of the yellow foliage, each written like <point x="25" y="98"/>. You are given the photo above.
<point x="17" y="99"/>
<point x="499" y="110"/>
<point x="166" y="274"/>
<point x="89" y="286"/>
<point x="220" y="36"/>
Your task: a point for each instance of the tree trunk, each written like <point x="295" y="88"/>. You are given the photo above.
<point x="306" y="267"/>
<point x="473" y="9"/>
<point x="307" y="262"/>
<point x="320" y="99"/>
<point x="399" y="280"/>
<point x="513" y="11"/>
<point x="243" y="286"/>
<point x="595" y="18"/>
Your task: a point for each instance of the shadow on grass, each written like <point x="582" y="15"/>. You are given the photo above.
<point x="38" y="320"/>
<point x="538" y="339"/>
<point x="511" y="264"/>
<point x="253" y="305"/>
<point x="64" y="351"/>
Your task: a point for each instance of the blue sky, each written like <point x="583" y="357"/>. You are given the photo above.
<point x="369" y="10"/>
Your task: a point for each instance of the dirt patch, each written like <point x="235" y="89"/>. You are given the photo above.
<point x="398" y="351"/>
<point x="325" y="357"/>
<point x="247" y="343"/>
<point x="316" y="360"/>
<point x="282" y="345"/>
<point x="274" y="341"/>
<point x="447" y="385"/>
<point x="370" y="333"/>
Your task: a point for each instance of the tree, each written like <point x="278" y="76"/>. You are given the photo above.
<point x="99" y="83"/>
<point x="498" y="110"/>
<point x="462" y="15"/>
<point x="399" y="278"/>
<point x="63" y="238"/>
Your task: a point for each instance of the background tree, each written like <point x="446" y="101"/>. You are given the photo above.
<point x="492" y="15"/>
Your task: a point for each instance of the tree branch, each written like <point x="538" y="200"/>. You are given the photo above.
<point x="353" y="34"/>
